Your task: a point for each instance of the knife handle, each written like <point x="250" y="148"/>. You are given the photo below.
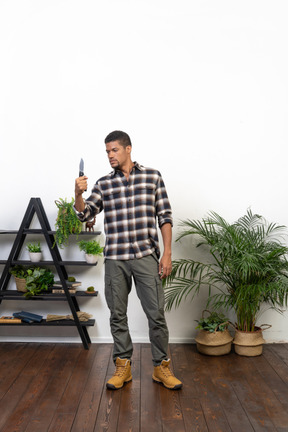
<point x="81" y="174"/>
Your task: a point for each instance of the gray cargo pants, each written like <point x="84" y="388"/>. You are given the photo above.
<point x="118" y="283"/>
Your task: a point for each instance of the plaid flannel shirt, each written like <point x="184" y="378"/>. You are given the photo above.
<point x="130" y="211"/>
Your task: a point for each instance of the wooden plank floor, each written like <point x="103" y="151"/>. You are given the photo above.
<point x="61" y="387"/>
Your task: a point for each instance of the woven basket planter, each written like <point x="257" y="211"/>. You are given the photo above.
<point x="20" y="284"/>
<point x="214" y="344"/>
<point x="249" y="344"/>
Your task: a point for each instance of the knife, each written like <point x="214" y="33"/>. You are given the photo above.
<point x="81" y="169"/>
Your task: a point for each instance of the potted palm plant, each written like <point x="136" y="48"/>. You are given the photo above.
<point x="92" y="250"/>
<point x="247" y="269"/>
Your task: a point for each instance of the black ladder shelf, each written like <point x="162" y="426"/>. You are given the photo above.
<point x="35" y="207"/>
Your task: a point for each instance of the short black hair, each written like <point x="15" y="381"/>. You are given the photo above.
<point x="120" y="136"/>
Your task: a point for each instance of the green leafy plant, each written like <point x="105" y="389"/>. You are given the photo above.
<point x="214" y="322"/>
<point x="91" y="247"/>
<point x="90" y="289"/>
<point x="34" y="247"/>
<point x="19" y="271"/>
<point x="38" y="279"/>
<point x="247" y="267"/>
<point x="66" y="223"/>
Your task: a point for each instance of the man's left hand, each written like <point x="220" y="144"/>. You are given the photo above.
<point x="165" y="266"/>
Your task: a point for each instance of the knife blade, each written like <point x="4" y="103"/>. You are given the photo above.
<point x="81" y="169"/>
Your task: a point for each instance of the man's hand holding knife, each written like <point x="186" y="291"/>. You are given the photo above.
<point x="80" y="187"/>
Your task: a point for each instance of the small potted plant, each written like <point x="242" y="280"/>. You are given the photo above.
<point x="92" y="250"/>
<point x="35" y="251"/>
<point x="213" y="337"/>
<point x="20" y="273"/>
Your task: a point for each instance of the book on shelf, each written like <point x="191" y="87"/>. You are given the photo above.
<point x="28" y="317"/>
<point x="69" y="284"/>
<point x="10" y="320"/>
<point x="61" y="291"/>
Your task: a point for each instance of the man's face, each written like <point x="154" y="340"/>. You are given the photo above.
<point x="117" y="154"/>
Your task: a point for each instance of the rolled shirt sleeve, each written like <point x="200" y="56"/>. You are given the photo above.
<point x="162" y="204"/>
<point x="93" y="205"/>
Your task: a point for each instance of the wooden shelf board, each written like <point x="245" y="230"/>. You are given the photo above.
<point x="40" y="231"/>
<point x="65" y="323"/>
<point x="62" y="263"/>
<point x="16" y="295"/>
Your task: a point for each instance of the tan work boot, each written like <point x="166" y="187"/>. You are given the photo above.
<point x="121" y="375"/>
<point x="163" y="375"/>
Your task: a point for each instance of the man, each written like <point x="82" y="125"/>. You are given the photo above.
<point x="132" y="197"/>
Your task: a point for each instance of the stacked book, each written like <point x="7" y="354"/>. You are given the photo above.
<point x="58" y="287"/>
<point x="28" y="317"/>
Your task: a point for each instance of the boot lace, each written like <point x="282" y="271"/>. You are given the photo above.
<point x="120" y="370"/>
<point x="167" y="371"/>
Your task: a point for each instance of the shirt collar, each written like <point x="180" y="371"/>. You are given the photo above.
<point x="136" y="166"/>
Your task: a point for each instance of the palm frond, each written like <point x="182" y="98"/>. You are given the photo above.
<point x="186" y="278"/>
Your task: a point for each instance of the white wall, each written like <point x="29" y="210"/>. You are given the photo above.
<point x="200" y="86"/>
